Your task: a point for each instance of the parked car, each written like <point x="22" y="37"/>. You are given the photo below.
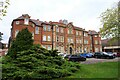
<point x="103" y="55"/>
<point x="67" y="56"/>
<point x="118" y="54"/>
<point x="76" y="58"/>
<point x="87" y="55"/>
<point x="62" y="55"/>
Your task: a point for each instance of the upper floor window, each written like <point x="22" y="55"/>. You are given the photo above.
<point x="80" y="33"/>
<point x="44" y="38"/>
<point x="57" y="38"/>
<point x="16" y="32"/>
<point x="96" y="41"/>
<point x="61" y="30"/>
<point x="57" y="29"/>
<point x="95" y="35"/>
<point x="49" y="38"/>
<point x="44" y="28"/>
<point x="36" y="30"/>
<point x="49" y="28"/>
<point x="26" y="21"/>
<point x="80" y="41"/>
<point x="85" y="41"/>
<point x="77" y="41"/>
<point x="17" y="22"/>
<point x="33" y="25"/>
<point x="77" y="33"/>
<point x="62" y="39"/>
<point x="70" y="31"/>
<point x="85" y="34"/>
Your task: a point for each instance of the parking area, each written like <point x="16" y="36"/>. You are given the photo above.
<point x="95" y="60"/>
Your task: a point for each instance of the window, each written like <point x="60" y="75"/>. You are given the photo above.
<point x="49" y="28"/>
<point x="32" y="35"/>
<point x="85" y="41"/>
<point x="44" y="38"/>
<point x="100" y="42"/>
<point x="49" y="39"/>
<point x="57" y="29"/>
<point x="77" y="33"/>
<point x="70" y="31"/>
<point x="49" y="47"/>
<point x="26" y="21"/>
<point x="16" y="32"/>
<point x="96" y="41"/>
<point x="71" y="40"/>
<point x="80" y="41"/>
<point x="62" y="39"/>
<point x="96" y="49"/>
<point x="57" y="38"/>
<point x="44" y="28"/>
<point x="80" y="33"/>
<point x="36" y="30"/>
<point x="95" y="35"/>
<point x="85" y="34"/>
<point x="33" y="25"/>
<point x="17" y="22"/>
<point x="77" y="41"/>
<point x="61" y="30"/>
<point x="68" y="40"/>
<point x="44" y="46"/>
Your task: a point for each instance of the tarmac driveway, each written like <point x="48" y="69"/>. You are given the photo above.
<point x="95" y="60"/>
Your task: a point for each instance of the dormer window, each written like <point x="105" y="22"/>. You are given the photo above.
<point x="26" y="21"/>
<point x="17" y="22"/>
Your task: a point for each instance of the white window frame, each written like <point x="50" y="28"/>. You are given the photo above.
<point x="17" y="22"/>
<point x="36" y="30"/>
<point x="44" y="37"/>
<point x="49" y="38"/>
<point x="26" y="21"/>
<point x="49" y="28"/>
<point x="44" y="28"/>
<point x="49" y="47"/>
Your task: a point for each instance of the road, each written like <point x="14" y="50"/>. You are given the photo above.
<point x="94" y="60"/>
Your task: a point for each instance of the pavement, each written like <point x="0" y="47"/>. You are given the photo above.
<point x="95" y="60"/>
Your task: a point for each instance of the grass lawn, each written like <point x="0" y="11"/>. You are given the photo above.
<point x="98" y="70"/>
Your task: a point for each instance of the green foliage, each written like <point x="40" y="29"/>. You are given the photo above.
<point x="37" y="63"/>
<point x="22" y="42"/>
<point x="109" y="20"/>
<point x="4" y="6"/>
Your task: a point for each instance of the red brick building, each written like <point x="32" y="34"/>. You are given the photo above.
<point x="60" y="35"/>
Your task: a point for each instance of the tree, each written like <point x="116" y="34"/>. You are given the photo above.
<point x="3" y="8"/>
<point x="109" y="20"/>
<point x="22" y="42"/>
<point x="37" y="63"/>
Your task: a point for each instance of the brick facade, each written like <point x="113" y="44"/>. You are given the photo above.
<point x="60" y="35"/>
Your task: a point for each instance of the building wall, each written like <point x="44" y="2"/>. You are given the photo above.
<point x="66" y="37"/>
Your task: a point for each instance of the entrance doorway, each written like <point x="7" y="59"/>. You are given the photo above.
<point x="70" y="50"/>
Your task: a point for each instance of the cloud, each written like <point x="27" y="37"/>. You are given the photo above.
<point x="83" y="13"/>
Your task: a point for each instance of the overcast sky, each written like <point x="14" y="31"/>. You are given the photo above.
<point x="83" y="13"/>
